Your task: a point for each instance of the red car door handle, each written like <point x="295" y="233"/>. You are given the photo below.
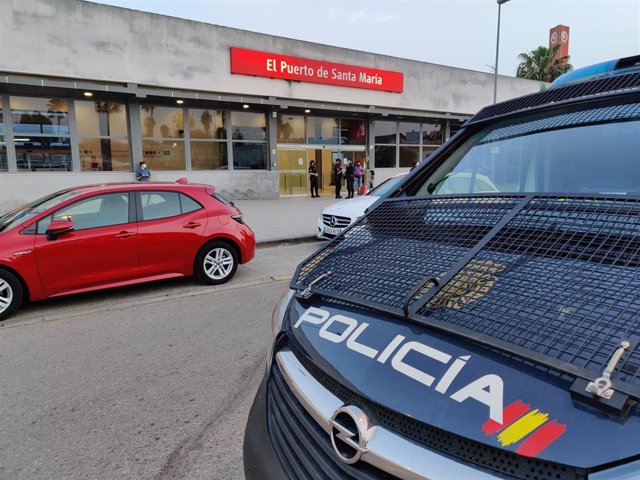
<point x="192" y="225"/>
<point x="125" y="234"/>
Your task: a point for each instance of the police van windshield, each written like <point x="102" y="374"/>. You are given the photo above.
<point x="592" y="151"/>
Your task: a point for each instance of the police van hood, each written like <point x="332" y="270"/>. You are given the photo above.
<point x="461" y="388"/>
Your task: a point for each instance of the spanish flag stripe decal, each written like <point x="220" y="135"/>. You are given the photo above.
<point x="510" y="413"/>
<point x="522" y="427"/>
<point x="541" y="439"/>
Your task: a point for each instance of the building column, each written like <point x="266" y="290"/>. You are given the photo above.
<point x="74" y="137"/>
<point x="229" y="129"/>
<point x="135" y="134"/>
<point x="187" y="139"/>
<point x="370" y="147"/>
<point x="8" y="135"/>
<point x="272" y="140"/>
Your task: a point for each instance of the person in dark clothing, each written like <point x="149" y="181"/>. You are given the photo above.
<point x="337" y="177"/>
<point x="313" y="179"/>
<point x="143" y="174"/>
<point x="350" y="172"/>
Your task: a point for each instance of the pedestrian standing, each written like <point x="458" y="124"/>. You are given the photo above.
<point x="359" y="174"/>
<point x="350" y="175"/>
<point x="143" y="174"/>
<point x="371" y="175"/>
<point x="337" y="177"/>
<point x="313" y="179"/>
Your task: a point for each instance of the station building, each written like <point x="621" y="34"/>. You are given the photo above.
<point x="87" y="91"/>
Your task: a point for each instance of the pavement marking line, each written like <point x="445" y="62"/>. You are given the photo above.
<point x="143" y="301"/>
<point x="281" y="278"/>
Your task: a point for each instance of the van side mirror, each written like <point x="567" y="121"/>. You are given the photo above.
<point x="58" y="227"/>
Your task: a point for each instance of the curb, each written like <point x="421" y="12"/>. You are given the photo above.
<point x="287" y="241"/>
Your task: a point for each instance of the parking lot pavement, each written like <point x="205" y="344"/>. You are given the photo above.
<point x="283" y="218"/>
<point x="148" y="382"/>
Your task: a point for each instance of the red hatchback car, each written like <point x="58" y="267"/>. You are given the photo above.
<point x="101" y="236"/>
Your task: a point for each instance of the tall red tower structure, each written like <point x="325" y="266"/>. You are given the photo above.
<point x="559" y="35"/>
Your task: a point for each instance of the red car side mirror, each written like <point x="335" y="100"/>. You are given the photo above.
<point x="57" y="227"/>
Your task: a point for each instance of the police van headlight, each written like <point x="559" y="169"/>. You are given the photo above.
<point x="277" y="320"/>
<point x="280" y="310"/>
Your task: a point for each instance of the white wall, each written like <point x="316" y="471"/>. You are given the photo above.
<point x="79" y="39"/>
<point x="19" y="188"/>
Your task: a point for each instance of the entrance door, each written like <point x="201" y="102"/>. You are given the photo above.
<point x="325" y="159"/>
<point x="292" y="170"/>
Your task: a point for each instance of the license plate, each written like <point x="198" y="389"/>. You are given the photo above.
<point x="333" y="231"/>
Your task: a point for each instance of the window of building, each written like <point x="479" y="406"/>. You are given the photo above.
<point x="409" y="156"/>
<point x="208" y="133"/>
<point x="432" y="133"/>
<point x="291" y="129"/>
<point x="4" y="165"/>
<point x="323" y="130"/>
<point x="385" y="156"/>
<point x="249" y="138"/>
<point x="104" y="139"/>
<point x="41" y="133"/>
<point x="414" y="142"/>
<point x="352" y="132"/>
<point x="163" y="137"/>
<point x="385" y="132"/>
<point x="386" y="140"/>
<point x="409" y="133"/>
<point x="249" y="126"/>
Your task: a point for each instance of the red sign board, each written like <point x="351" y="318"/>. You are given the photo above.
<point x="273" y="65"/>
<point x="559" y="35"/>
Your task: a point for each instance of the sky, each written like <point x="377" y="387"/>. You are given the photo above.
<point x="459" y="33"/>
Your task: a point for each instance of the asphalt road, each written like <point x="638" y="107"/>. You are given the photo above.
<point x="151" y="382"/>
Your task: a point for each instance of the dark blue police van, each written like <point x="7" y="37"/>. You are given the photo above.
<point x="483" y="320"/>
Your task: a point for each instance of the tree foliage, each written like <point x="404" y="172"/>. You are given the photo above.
<point x="539" y="64"/>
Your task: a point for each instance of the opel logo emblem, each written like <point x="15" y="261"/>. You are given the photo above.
<point x="333" y="221"/>
<point x="349" y="427"/>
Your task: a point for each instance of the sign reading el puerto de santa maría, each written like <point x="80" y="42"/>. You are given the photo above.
<point x="273" y="65"/>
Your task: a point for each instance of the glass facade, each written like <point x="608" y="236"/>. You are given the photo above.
<point x="41" y="134"/>
<point x="104" y="138"/>
<point x="323" y="131"/>
<point x="319" y="130"/>
<point x="403" y="144"/>
<point x="353" y="132"/>
<point x="291" y="129"/>
<point x="249" y="140"/>
<point x="208" y="134"/>
<point x="162" y="137"/>
<point x="63" y="134"/>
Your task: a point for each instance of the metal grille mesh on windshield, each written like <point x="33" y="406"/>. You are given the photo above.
<point x="560" y="94"/>
<point x="553" y="275"/>
<point x="400" y="243"/>
<point x="562" y="278"/>
<point x="618" y="113"/>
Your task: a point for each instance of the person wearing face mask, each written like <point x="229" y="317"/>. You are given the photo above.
<point x="143" y="174"/>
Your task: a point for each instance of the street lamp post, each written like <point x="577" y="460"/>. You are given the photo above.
<point x="495" y="71"/>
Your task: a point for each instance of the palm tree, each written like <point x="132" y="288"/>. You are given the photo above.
<point x="540" y="64"/>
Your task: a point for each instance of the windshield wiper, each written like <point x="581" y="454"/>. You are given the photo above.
<point x="432" y="186"/>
